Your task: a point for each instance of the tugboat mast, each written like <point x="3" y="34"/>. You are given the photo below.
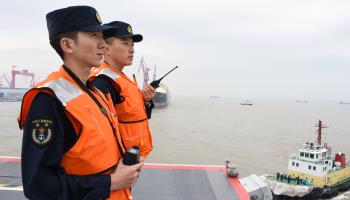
<point x="319" y="131"/>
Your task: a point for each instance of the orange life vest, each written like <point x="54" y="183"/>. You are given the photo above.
<point x="133" y="121"/>
<point x="96" y="150"/>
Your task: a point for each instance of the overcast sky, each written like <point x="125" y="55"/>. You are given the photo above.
<point x="296" y="49"/>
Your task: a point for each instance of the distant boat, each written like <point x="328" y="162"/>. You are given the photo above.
<point x="162" y="97"/>
<point x="214" y="97"/>
<point x="302" y="101"/>
<point x="246" y="103"/>
<point x="342" y="102"/>
<point x="11" y="94"/>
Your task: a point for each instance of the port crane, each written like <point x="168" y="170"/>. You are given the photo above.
<point x="145" y="70"/>
<point x="12" y="83"/>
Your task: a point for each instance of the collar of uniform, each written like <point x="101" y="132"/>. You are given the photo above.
<point x="74" y="77"/>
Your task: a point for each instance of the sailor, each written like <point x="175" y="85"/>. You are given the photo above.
<point x="133" y="106"/>
<point x="71" y="146"/>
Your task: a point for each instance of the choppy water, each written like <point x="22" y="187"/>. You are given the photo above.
<point x="200" y="130"/>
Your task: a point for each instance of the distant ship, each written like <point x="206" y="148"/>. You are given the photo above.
<point x="246" y="103"/>
<point x="302" y="101"/>
<point x="13" y="93"/>
<point x="313" y="173"/>
<point x="342" y="102"/>
<point x="162" y="97"/>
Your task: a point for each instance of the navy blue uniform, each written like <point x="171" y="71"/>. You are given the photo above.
<point x="42" y="175"/>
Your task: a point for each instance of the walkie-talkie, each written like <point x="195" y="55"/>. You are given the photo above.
<point x="132" y="156"/>
<point x="155" y="83"/>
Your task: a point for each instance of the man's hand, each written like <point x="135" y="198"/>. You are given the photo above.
<point x="125" y="175"/>
<point x="142" y="159"/>
<point x="148" y="92"/>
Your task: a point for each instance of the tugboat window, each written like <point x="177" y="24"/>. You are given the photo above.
<point x="326" y="162"/>
<point x="311" y="155"/>
<point x="310" y="167"/>
<point x="302" y="154"/>
<point x="314" y="168"/>
<point x="316" y="156"/>
<point x="292" y="163"/>
<point x="297" y="164"/>
<point x="306" y="155"/>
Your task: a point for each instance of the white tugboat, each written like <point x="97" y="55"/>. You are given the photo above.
<point x="313" y="173"/>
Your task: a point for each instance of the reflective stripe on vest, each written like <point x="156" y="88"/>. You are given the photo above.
<point x="63" y="89"/>
<point x="111" y="74"/>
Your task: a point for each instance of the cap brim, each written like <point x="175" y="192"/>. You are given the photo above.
<point x="112" y="33"/>
<point x="97" y="28"/>
<point x="135" y="37"/>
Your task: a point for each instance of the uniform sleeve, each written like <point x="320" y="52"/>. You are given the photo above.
<point x="47" y="134"/>
<point x="104" y="84"/>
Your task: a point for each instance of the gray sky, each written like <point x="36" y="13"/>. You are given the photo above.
<point x="296" y="49"/>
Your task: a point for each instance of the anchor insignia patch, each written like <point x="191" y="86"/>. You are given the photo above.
<point x="42" y="131"/>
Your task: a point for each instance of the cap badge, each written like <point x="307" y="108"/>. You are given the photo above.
<point x="98" y="18"/>
<point x="129" y="29"/>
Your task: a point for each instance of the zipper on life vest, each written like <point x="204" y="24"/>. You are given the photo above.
<point x="110" y="102"/>
<point x="112" y="109"/>
<point x="114" y="116"/>
<point x="113" y="121"/>
<point x="96" y="122"/>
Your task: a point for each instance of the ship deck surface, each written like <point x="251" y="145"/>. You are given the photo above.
<point x="156" y="181"/>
